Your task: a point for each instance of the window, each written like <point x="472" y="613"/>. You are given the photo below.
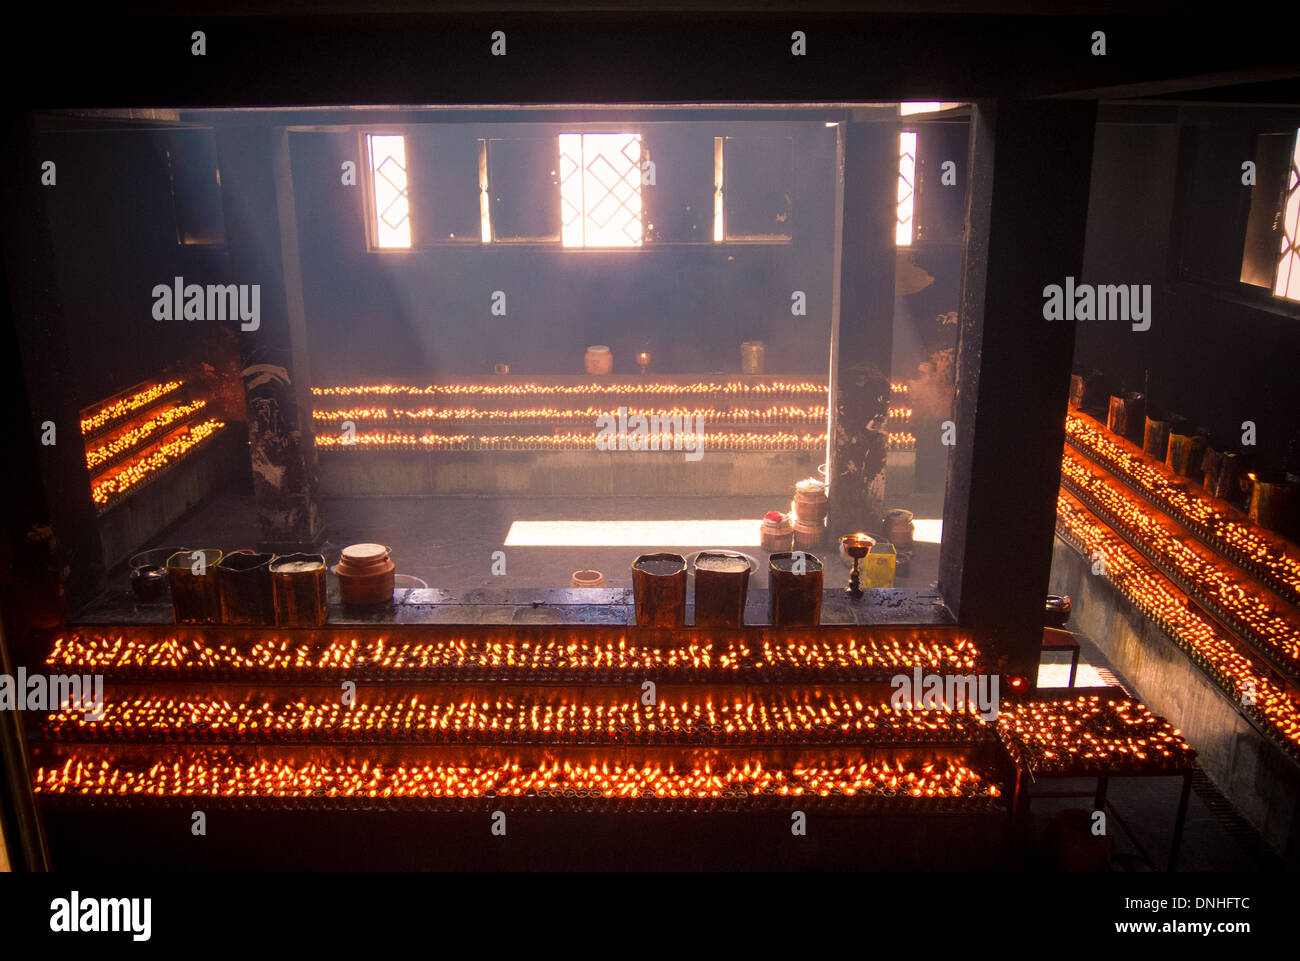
<point x="1286" y="281"/>
<point x="392" y="210"/>
<point x="1269" y="258"/>
<point x="758" y="197"/>
<point x="906" y="187"/>
<point x="600" y="189"/>
<point x="518" y="185"/>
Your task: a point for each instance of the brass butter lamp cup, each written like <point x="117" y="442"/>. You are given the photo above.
<point x="856" y="546"/>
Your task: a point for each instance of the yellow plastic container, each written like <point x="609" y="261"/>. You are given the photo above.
<point x="878" y="566"/>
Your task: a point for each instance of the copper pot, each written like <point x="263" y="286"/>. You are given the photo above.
<point x="366" y="574"/>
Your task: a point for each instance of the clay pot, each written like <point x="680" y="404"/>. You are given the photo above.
<point x="897" y="525"/>
<point x="587" y="579"/>
<point x="365" y="573"/>
<point x="599" y="360"/>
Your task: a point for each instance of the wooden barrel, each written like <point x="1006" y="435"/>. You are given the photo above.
<point x="298" y="584"/>
<point x="1127" y="415"/>
<point x="775" y="539"/>
<point x="808" y="534"/>
<point x="244" y="586"/>
<point x="1155" y="440"/>
<point x="721" y="588"/>
<point x="810" y="503"/>
<point x="194" y="596"/>
<point x="794" y="599"/>
<point x="1185" y="452"/>
<point x="366" y="575"/>
<point x="659" y="590"/>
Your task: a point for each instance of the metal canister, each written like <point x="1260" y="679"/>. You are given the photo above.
<point x="1155" y="439"/>
<point x="193" y="584"/>
<point x="1126" y="415"/>
<point x="753" y="357"/>
<point x="244" y="586"/>
<point x="1271" y="500"/>
<point x="299" y="587"/>
<point x="1186" y="448"/>
<point x="794" y="589"/>
<point x="721" y="588"/>
<point x="659" y="590"/>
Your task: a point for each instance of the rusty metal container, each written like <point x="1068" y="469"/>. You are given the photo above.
<point x="794" y="599"/>
<point x="1272" y="499"/>
<point x="244" y="586"/>
<point x="193" y="583"/>
<point x="1186" y="450"/>
<point x="299" y="587"/>
<point x="721" y="587"/>
<point x="1155" y="439"/>
<point x="659" y="590"/>
<point x="1127" y="415"/>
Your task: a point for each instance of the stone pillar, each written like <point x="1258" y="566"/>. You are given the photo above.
<point x="862" y="325"/>
<point x="262" y="240"/>
<point x="1030" y="169"/>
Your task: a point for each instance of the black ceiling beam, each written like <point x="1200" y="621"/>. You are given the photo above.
<point x="633" y="58"/>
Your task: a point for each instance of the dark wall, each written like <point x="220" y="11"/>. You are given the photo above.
<point x="114" y="235"/>
<point x="424" y="313"/>
<point x="1167" y="208"/>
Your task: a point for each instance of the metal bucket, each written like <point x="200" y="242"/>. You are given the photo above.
<point x="659" y="590"/>
<point x="1271" y="497"/>
<point x="721" y="588"/>
<point x="299" y="587"/>
<point x="244" y="586"/>
<point x="1127" y="414"/>
<point x="794" y="600"/>
<point x="1155" y="439"/>
<point x="149" y="573"/>
<point x="195" y="599"/>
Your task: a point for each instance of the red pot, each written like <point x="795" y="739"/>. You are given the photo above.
<point x="365" y="573"/>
